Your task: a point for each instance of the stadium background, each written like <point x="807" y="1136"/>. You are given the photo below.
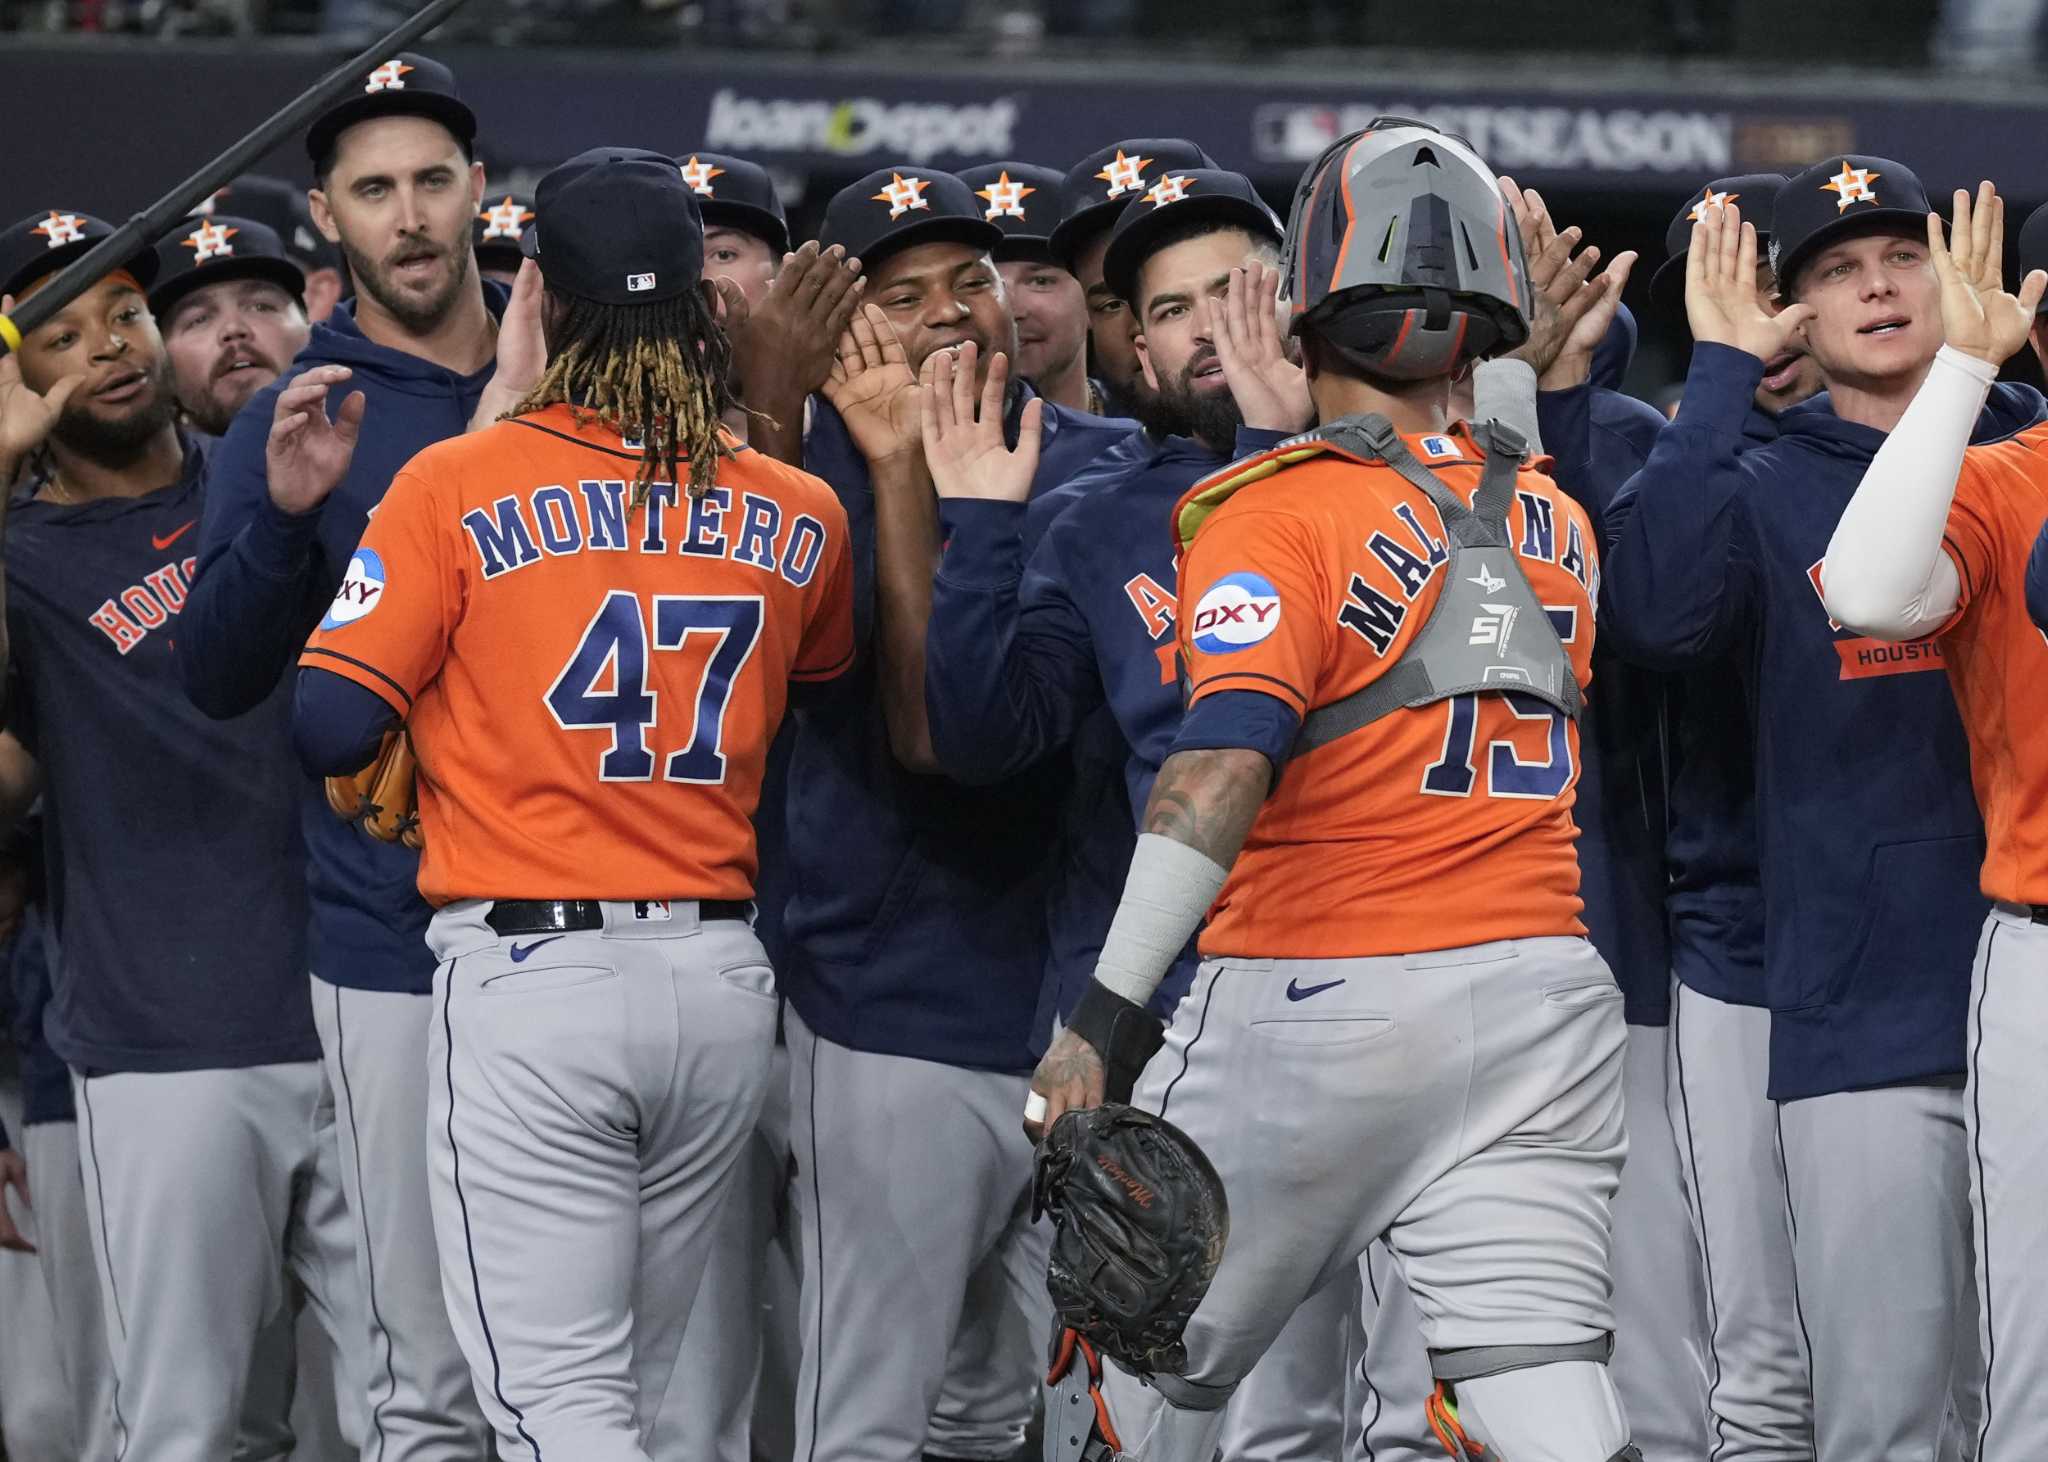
<point x="1614" y="108"/>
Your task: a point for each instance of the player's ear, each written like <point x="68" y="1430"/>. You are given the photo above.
<point x="1145" y="360"/>
<point x="323" y="215"/>
<point x="476" y="186"/>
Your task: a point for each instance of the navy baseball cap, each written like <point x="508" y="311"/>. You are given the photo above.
<point x="45" y="242"/>
<point x="734" y="193"/>
<point x="1097" y="187"/>
<point x="1173" y="201"/>
<point x="409" y="84"/>
<point x="617" y="225"/>
<point x="1754" y="194"/>
<point x="498" y="230"/>
<point x="2034" y="246"/>
<point x="1023" y="200"/>
<point x="897" y="207"/>
<point x="283" y="208"/>
<point x="202" y="251"/>
<point x="1844" y="197"/>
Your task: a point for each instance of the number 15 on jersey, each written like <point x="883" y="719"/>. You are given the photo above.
<point x="605" y="684"/>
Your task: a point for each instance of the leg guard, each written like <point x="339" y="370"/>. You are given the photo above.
<point x="1077" y="1424"/>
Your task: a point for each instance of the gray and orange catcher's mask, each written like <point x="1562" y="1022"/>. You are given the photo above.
<point x="1401" y="254"/>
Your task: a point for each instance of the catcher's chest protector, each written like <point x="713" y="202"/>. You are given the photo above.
<point x="1487" y="630"/>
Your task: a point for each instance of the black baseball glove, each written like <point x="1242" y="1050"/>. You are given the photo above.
<point x="1141" y="1221"/>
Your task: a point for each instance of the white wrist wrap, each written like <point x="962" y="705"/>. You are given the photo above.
<point x="1170" y="888"/>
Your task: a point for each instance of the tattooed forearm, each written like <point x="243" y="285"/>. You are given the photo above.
<point x="1208" y="799"/>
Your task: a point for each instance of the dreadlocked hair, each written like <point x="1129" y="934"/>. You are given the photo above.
<point x="658" y="373"/>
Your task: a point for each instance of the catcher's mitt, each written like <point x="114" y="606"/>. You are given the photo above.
<point x="380" y="796"/>
<point x="1140" y="1220"/>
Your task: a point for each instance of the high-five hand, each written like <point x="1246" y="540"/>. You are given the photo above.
<point x="872" y="388"/>
<point x="1977" y="315"/>
<point x="1720" y="289"/>
<point x="1270" y="387"/>
<point x="965" y="451"/>
<point x="308" y="455"/>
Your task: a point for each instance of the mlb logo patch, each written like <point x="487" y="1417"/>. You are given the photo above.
<point x="1440" y="446"/>
<point x="639" y="283"/>
<point x="651" y="911"/>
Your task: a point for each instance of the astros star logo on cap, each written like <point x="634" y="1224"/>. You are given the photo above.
<point x="1125" y="174"/>
<point x="1005" y="198"/>
<point x="210" y="241"/>
<point x="1851" y="185"/>
<point x="903" y="194"/>
<point x="1169" y="189"/>
<point x="699" y="175"/>
<point x="61" y="229"/>
<point x="1709" y="199"/>
<point x="388" y="77"/>
<point x="506" y="220"/>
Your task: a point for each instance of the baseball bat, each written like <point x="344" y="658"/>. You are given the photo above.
<point x="146" y="227"/>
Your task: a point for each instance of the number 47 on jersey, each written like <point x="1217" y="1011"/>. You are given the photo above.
<point x="614" y="653"/>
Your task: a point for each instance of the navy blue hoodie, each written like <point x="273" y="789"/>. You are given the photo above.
<point x="1868" y="829"/>
<point x="265" y="578"/>
<point x="1026" y="652"/>
<point x="918" y="907"/>
<point x="1596" y="438"/>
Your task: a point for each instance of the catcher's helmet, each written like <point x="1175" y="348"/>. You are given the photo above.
<point x="1401" y="254"/>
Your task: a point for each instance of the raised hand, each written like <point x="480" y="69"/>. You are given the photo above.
<point x="307" y="455"/>
<point x="1720" y="289"/>
<point x="522" y="350"/>
<point x="1977" y="315"/>
<point x="964" y="451"/>
<point x="1271" y="389"/>
<point x="783" y="349"/>
<point x="872" y="388"/>
<point x="26" y="416"/>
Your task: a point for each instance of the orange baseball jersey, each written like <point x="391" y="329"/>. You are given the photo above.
<point x="591" y="686"/>
<point x="1431" y="828"/>
<point x="1998" y="660"/>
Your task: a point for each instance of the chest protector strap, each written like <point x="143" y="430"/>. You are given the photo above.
<point x="1487" y="631"/>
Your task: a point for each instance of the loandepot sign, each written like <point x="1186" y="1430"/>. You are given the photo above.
<point x="859" y="126"/>
<point x="1568" y="139"/>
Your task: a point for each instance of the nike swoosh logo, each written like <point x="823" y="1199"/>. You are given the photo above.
<point x="1296" y="992"/>
<point x="521" y="951"/>
<point x="160" y="544"/>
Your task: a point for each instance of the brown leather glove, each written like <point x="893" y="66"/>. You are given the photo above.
<point x="380" y="796"/>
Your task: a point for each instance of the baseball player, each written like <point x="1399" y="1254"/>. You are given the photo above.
<point x="496" y="233"/>
<point x="608" y="1024"/>
<point x="190" y="1043"/>
<point x="1931" y="545"/>
<point x="1312" y="573"/>
<point x="231" y="309"/>
<point x="1023" y="657"/>
<point x="901" y="881"/>
<point x="397" y="194"/>
<point x="798" y="305"/>
<point x="1868" y="835"/>
<point x="1759" y="1396"/>
<point x="1050" y="307"/>
<point x="1092" y="197"/>
<point x="283" y="209"/>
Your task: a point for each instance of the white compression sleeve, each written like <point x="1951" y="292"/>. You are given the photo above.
<point x="1170" y="888"/>
<point x="1504" y="390"/>
<point x="1886" y="573"/>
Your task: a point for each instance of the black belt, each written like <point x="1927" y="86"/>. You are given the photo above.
<point x="568" y="916"/>
<point x="2038" y="913"/>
